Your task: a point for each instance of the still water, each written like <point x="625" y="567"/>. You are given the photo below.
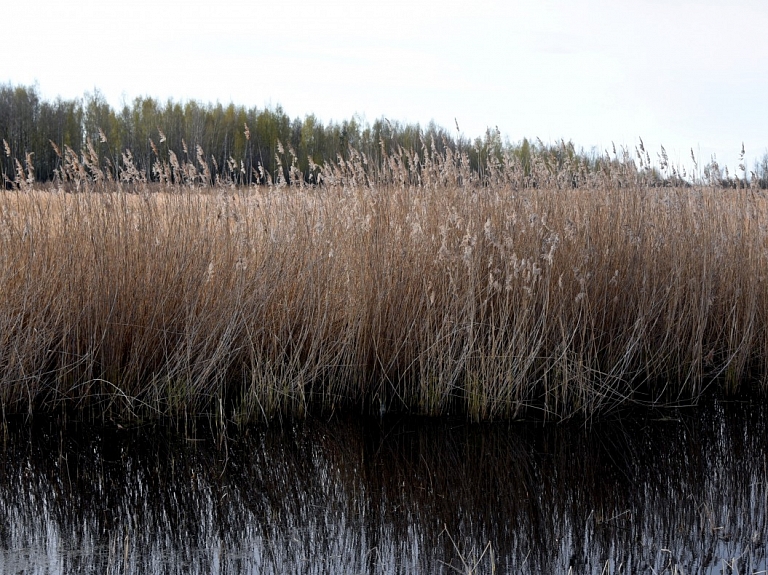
<point x="682" y="493"/>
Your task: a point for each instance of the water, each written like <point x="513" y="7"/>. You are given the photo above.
<point x="683" y="494"/>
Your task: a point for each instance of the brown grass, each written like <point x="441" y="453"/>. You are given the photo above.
<point x="410" y="286"/>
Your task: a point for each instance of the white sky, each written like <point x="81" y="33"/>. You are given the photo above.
<point x="685" y="74"/>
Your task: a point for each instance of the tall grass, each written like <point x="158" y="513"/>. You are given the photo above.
<point x="410" y="285"/>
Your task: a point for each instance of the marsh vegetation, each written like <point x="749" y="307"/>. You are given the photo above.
<point x="537" y="286"/>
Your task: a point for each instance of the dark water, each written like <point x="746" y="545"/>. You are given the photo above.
<point x="682" y="495"/>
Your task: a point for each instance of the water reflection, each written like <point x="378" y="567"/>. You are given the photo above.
<point x="400" y="496"/>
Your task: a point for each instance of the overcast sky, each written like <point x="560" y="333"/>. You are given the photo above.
<point x="685" y="74"/>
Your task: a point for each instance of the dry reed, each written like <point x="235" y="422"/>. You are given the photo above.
<point x="414" y="285"/>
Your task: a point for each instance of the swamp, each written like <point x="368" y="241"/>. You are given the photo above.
<point x="409" y="365"/>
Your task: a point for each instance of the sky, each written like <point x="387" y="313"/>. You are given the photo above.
<point x="682" y="74"/>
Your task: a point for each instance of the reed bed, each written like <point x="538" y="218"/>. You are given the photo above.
<point x="415" y="286"/>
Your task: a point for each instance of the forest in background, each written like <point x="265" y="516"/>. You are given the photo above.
<point x="247" y="144"/>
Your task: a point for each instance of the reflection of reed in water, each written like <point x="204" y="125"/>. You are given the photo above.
<point x="393" y="497"/>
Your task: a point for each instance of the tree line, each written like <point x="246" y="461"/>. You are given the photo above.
<point x="39" y="131"/>
<point x="253" y="144"/>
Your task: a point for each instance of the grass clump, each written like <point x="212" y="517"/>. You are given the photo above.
<point x="414" y="284"/>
